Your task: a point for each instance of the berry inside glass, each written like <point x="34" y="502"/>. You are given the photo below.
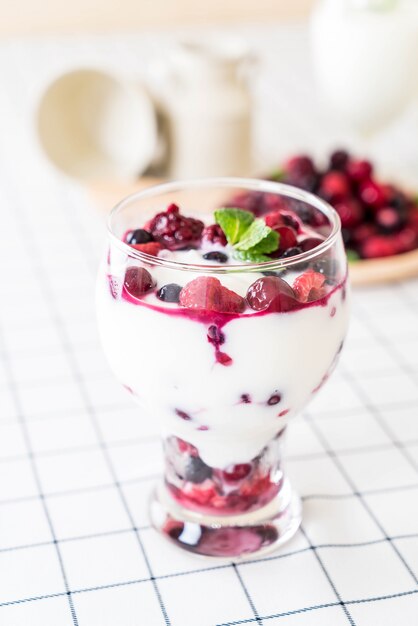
<point x="223" y="322"/>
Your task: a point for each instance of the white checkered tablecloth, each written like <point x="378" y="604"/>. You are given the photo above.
<point x="77" y="462"/>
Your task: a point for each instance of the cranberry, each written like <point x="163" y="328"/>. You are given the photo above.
<point x="388" y="219"/>
<point x="363" y="232"/>
<point x="377" y="246"/>
<point x="258" y="202"/>
<point x="350" y="211"/>
<point x="175" y="231"/>
<point x="287" y="239"/>
<point x="300" y="171"/>
<point x="335" y="186"/>
<point x="245" y="398"/>
<point x="405" y="240"/>
<point x="338" y="160"/>
<point x="140" y="235"/>
<point x="214" y="234"/>
<point x="274" y="399"/>
<point x="237" y="472"/>
<point x="309" y="243"/>
<point x="271" y="293"/>
<point x="215" y="255"/>
<point x="169" y="293"/>
<point x="138" y="281"/>
<point x="359" y="171"/>
<point x="300" y="165"/>
<point x="373" y="194"/>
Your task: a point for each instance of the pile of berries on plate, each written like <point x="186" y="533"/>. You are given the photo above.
<point x="378" y="219"/>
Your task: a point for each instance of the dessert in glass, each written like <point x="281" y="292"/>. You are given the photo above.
<point x="223" y="307"/>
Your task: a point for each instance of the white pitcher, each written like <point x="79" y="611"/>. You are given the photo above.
<point x="206" y="103"/>
<point x="365" y="55"/>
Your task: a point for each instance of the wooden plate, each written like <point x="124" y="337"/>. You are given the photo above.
<point x="370" y="272"/>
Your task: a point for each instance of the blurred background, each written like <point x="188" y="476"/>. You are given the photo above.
<point x="97" y="16"/>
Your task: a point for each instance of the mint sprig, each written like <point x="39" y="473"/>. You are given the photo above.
<point x="251" y="238"/>
<point x="234" y="223"/>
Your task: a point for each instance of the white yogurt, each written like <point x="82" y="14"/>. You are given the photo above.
<point x="169" y="364"/>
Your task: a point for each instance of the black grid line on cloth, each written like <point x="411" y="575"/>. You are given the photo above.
<point x="34" y="469"/>
<point x="359" y="601"/>
<point x="264" y="559"/>
<point x="66" y="345"/>
<point x="247" y="595"/>
<point x="328" y="577"/>
<point x="333" y="455"/>
<point x="322" y="606"/>
<point x="151" y="477"/>
<point x="386" y="341"/>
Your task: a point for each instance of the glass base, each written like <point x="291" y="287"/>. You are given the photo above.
<point x="224" y="537"/>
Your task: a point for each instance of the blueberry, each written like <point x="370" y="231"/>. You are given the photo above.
<point x="169" y="293"/>
<point x="274" y="399"/>
<point x="216" y="255"/>
<point x="338" y="160"/>
<point x="327" y="267"/>
<point x="215" y="336"/>
<point x="291" y="252"/>
<point x="269" y="273"/>
<point x="196" y="470"/>
<point x="139" y="236"/>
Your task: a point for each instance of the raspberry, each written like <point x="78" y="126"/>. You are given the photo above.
<point x="271" y="293"/>
<point x="152" y="248"/>
<point x="175" y="231"/>
<point x="208" y="294"/>
<point x="308" y="286"/>
<point x="138" y="281"/>
<point x="214" y="234"/>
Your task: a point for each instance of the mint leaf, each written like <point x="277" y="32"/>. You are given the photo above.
<point x="252" y="257"/>
<point x="269" y="244"/>
<point x="234" y="223"/>
<point x="255" y="233"/>
<point x="277" y="175"/>
<point x="352" y="256"/>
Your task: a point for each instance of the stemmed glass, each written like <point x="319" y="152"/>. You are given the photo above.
<point x="223" y="386"/>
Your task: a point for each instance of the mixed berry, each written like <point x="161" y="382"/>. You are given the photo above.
<point x="378" y="219"/>
<point x="286" y="230"/>
<point x="235" y="489"/>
